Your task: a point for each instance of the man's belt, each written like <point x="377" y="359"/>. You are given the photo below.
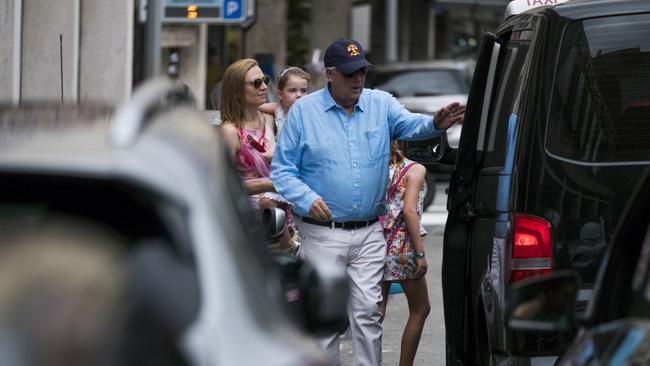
<point x="347" y="225"/>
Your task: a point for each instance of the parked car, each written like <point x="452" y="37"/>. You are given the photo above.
<point x="155" y="173"/>
<point x="425" y="87"/>
<point x="554" y="140"/>
<point x="614" y="330"/>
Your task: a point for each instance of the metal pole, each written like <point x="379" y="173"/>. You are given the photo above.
<point x="431" y="49"/>
<point x="391" y="31"/>
<point x="17" y="52"/>
<point x="153" y="30"/>
<point x="128" y="54"/>
<point x="61" y="63"/>
<point x="76" y="51"/>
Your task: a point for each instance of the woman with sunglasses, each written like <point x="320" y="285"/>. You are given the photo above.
<point x="249" y="135"/>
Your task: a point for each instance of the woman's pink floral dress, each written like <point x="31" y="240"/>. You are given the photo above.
<point x="252" y="165"/>
<point x="400" y="263"/>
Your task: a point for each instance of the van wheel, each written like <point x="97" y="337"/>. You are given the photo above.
<point x="429" y="189"/>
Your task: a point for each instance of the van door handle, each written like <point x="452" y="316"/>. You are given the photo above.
<point x="469" y="211"/>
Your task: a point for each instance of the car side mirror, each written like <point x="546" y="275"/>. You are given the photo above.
<point x="317" y="294"/>
<point x="544" y="304"/>
<point x="273" y="221"/>
<point x="427" y="151"/>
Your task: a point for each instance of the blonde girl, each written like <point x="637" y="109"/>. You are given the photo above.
<point x="405" y="258"/>
<point x="293" y="83"/>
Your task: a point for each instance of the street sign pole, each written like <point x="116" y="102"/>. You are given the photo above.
<point x="153" y="30"/>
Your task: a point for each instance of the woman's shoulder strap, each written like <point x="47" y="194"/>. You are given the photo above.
<point x="405" y="167"/>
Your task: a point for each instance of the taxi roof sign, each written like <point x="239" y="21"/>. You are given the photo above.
<point x="519" y="6"/>
<point x="203" y="11"/>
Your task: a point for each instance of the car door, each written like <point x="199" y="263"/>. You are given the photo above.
<point x="458" y="227"/>
<point x="478" y="204"/>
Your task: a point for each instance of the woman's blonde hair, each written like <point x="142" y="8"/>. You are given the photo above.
<point x="396" y="154"/>
<point x="233" y="83"/>
<point x="292" y="71"/>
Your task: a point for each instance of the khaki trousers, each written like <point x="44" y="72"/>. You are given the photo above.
<point x="361" y="252"/>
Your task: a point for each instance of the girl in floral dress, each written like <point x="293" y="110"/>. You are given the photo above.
<point x="405" y="259"/>
<point x="249" y="135"/>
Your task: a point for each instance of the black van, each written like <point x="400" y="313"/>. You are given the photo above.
<point x="556" y="135"/>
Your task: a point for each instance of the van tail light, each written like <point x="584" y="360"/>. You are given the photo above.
<point x="532" y="248"/>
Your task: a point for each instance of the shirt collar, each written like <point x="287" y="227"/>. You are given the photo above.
<point x="329" y="102"/>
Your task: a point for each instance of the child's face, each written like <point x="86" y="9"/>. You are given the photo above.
<point x="293" y="90"/>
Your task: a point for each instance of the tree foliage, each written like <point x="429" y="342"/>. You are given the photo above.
<point x="299" y="16"/>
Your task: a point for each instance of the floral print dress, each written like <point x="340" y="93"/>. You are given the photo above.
<point x="252" y="165"/>
<point x="400" y="261"/>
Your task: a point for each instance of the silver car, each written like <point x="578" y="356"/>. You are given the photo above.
<point x="157" y="175"/>
<point x="425" y="87"/>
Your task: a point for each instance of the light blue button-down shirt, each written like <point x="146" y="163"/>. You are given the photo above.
<point x="323" y="152"/>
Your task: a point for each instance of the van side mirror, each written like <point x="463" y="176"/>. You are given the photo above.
<point x="427" y="151"/>
<point x="273" y="221"/>
<point x="317" y="293"/>
<point x="544" y="304"/>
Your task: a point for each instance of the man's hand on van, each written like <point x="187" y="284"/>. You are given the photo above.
<point x="446" y="116"/>
<point x="319" y="210"/>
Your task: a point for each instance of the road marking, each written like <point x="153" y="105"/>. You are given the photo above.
<point x="434" y="218"/>
<point x="436" y="213"/>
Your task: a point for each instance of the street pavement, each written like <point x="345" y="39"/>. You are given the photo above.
<point x="432" y="345"/>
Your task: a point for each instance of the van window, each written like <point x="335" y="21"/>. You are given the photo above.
<point x="600" y="113"/>
<point x="504" y="96"/>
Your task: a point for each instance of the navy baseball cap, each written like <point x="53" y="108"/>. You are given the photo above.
<point x="346" y="55"/>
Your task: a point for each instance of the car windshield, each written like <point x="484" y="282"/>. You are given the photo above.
<point x="417" y="83"/>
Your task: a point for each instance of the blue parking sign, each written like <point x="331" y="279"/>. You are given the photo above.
<point x="232" y="9"/>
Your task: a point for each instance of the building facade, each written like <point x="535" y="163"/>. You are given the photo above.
<point x="91" y="51"/>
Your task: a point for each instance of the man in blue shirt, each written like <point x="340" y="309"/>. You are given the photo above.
<point x="331" y="162"/>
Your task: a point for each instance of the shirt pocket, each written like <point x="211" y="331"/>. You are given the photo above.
<point x="376" y="143"/>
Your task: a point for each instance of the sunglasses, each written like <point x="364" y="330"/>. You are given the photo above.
<point x="363" y="71"/>
<point x="257" y="83"/>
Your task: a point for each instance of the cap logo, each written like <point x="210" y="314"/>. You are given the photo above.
<point x="353" y="50"/>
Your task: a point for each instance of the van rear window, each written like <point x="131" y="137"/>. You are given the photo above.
<point x="601" y="103"/>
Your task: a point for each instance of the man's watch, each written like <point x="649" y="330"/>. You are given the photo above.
<point x="418" y="255"/>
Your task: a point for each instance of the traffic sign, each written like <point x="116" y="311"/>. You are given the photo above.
<point x="203" y="11"/>
<point x="233" y="9"/>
